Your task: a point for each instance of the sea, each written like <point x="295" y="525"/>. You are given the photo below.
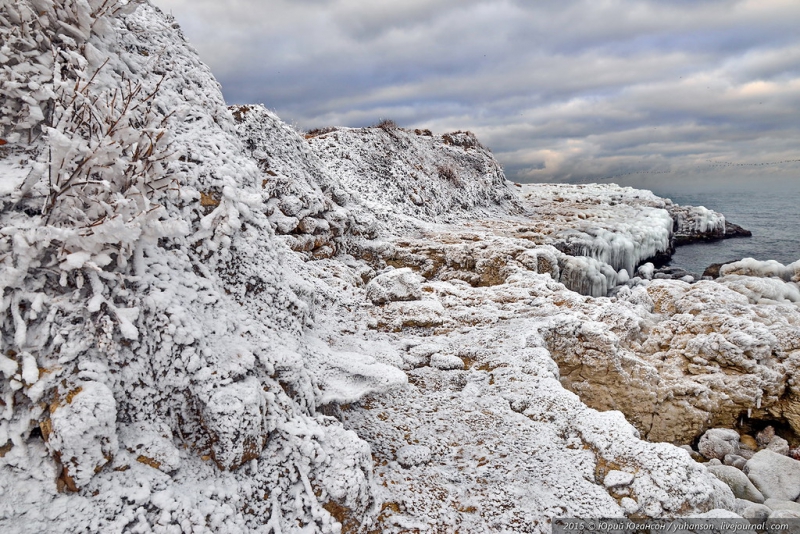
<point x="771" y="213"/>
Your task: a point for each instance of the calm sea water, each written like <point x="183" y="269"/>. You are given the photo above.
<point x="773" y="215"/>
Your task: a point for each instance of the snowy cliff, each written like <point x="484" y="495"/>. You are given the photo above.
<point x="211" y="323"/>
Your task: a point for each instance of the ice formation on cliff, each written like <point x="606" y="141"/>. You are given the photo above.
<point x="190" y="341"/>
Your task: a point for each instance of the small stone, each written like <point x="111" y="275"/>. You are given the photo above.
<point x="446" y="362"/>
<point x="629" y="505"/>
<point x="779" y="515"/>
<point x="746" y="453"/>
<point x="779" y="445"/>
<point x="752" y="510"/>
<point x="412" y="455"/>
<point x="734" y="460"/>
<point x="717" y="442"/>
<point x="740" y="485"/>
<point x="748" y="442"/>
<point x="775" y="476"/>
<point x="713" y="461"/>
<point x="765" y="436"/>
<point x="780" y="504"/>
<point x="395" y="285"/>
<point x="795" y="453"/>
<point x="616" y="479"/>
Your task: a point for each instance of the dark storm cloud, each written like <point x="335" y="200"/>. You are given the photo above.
<point x="578" y="91"/>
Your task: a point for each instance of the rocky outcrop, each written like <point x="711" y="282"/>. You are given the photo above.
<point x="695" y="359"/>
<point x="304" y="204"/>
<point x="734" y="230"/>
<point x="696" y="223"/>
<point x="402" y="173"/>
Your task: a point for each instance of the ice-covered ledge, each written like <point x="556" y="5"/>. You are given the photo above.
<point x="622" y="227"/>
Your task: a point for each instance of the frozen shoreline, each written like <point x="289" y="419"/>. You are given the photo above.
<point x="366" y="329"/>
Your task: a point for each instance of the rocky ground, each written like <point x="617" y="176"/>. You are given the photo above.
<point x="214" y="323"/>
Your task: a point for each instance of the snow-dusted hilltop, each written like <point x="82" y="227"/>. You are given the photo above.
<point x="212" y="323"/>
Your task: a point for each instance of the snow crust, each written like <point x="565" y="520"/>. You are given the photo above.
<point x="235" y="328"/>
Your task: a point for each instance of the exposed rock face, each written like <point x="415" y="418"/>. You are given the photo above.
<point x="695" y="356"/>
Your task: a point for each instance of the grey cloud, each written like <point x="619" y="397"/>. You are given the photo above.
<point x="577" y="90"/>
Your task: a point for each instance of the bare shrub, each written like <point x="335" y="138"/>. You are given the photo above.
<point x="425" y="132"/>
<point x="448" y="173"/>
<point x="386" y="125"/>
<point x="319" y="131"/>
<point x="463" y="139"/>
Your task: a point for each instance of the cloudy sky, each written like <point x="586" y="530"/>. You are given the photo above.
<point x="635" y="92"/>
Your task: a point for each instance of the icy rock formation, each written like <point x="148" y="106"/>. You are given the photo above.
<point x="621" y="227"/>
<point x="305" y="203"/>
<point x="394" y="285"/>
<point x="696" y="223"/>
<point x="398" y="172"/>
<point x="763" y="269"/>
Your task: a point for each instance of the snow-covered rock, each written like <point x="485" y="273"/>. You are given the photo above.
<point x="718" y="443"/>
<point x="152" y="444"/>
<point x="82" y="432"/>
<point x="616" y="479"/>
<point x="775" y="475"/>
<point x="394" y="285"/>
<point x="413" y="455"/>
<point x="189" y="369"/>
<point x="399" y="173"/>
<point x="779" y="504"/>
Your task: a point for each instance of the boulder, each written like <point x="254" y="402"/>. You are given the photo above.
<point x="395" y="285"/>
<point x="719" y="442"/>
<point x="735" y="460"/>
<point x="779" y="445"/>
<point x="151" y="444"/>
<point x="235" y="418"/>
<point x="776" y="476"/>
<point x="751" y="510"/>
<point x="764" y="437"/>
<point x="82" y="432"/>
<point x="779" y="504"/>
<point x="776" y="517"/>
<point x="413" y="455"/>
<point x="740" y="485"/>
<point x="617" y="479"/>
